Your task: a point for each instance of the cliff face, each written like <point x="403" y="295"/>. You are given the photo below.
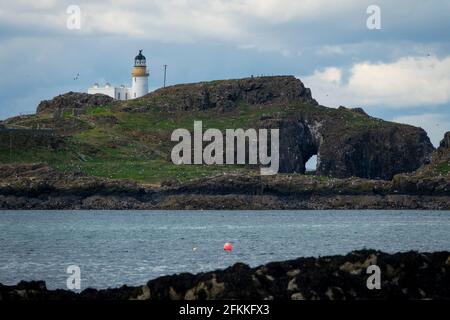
<point x="349" y="143"/>
<point x="375" y="153"/>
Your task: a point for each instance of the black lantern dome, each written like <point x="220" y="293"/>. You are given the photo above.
<point x="139" y="60"/>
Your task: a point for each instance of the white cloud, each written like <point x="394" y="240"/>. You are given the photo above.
<point x="407" y="82"/>
<point x="330" y="75"/>
<point x="238" y="21"/>
<point x="436" y="125"/>
<point x="268" y="25"/>
<point x="280" y="11"/>
<point x="168" y="21"/>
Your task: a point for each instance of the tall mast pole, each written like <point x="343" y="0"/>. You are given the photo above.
<point x="165" y="74"/>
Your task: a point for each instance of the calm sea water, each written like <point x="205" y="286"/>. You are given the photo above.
<point x="130" y="247"/>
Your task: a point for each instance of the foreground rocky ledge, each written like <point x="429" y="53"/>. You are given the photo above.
<point x="409" y="275"/>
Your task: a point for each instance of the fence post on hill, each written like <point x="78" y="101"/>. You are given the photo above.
<point x="10" y="146"/>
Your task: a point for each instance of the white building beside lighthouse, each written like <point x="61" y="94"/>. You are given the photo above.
<point x="139" y="83"/>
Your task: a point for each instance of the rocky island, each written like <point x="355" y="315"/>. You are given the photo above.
<point x="82" y="151"/>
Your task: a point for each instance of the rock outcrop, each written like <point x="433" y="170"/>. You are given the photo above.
<point x="440" y="160"/>
<point x="73" y="101"/>
<point x="430" y="179"/>
<point x="445" y="145"/>
<point x="409" y="275"/>
<point x="374" y="153"/>
<point x="226" y="95"/>
<point x="348" y="143"/>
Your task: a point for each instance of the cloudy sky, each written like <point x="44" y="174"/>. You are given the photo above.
<point x="400" y="72"/>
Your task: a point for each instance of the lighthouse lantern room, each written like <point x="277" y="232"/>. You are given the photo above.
<point x="139" y="85"/>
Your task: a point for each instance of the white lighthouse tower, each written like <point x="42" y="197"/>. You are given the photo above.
<point x="139" y="80"/>
<point x="139" y="83"/>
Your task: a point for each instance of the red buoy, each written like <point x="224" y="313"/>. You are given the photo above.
<point x="228" y="246"/>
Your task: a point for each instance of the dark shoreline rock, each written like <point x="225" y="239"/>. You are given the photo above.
<point x="227" y="202"/>
<point x="37" y="186"/>
<point x="407" y="275"/>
